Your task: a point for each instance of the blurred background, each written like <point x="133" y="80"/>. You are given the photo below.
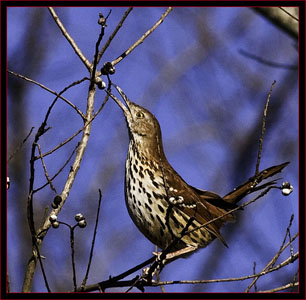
<point x="196" y="75"/>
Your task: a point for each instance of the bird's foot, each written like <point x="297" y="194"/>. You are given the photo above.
<point x="175" y="254"/>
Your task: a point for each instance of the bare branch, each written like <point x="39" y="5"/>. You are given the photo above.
<point x="59" y="171"/>
<point x="263" y="128"/>
<point x="281" y="265"/>
<point x="93" y="241"/>
<point x="21" y="144"/>
<point x="268" y="62"/>
<point x="276" y="256"/>
<point x="72" y="257"/>
<point x="281" y="288"/>
<point x="264" y="192"/>
<point x="75" y="47"/>
<point x="114" y="281"/>
<point x="114" y="33"/>
<point x="76" y="133"/>
<point x="52" y="92"/>
<point x="45" y="170"/>
<point x="289" y="14"/>
<point x="102" y="23"/>
<point x="280" y="19"/>
<point x="137" y="43"/>
<point x="28" y="281"/>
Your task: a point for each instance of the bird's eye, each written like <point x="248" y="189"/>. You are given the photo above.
<point x="139" y="115"/>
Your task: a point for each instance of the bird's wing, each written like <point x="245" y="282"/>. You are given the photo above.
<point x="191" y="203"/>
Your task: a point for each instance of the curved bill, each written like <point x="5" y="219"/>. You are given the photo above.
<point x="126" y="109"/>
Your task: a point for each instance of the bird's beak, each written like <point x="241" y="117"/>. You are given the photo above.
<point x="126" y="109"/>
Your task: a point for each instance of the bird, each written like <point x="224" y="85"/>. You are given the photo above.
<point x="169" y="212"/>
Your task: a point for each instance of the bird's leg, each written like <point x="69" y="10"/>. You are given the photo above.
<point x="176" y="254"/>
<point x="179" y="253"/>
<point x="147" y="274"/>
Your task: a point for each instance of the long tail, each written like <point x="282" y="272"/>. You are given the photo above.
<point x="251" y="185"/>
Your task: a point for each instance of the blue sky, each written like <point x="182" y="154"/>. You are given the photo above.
<point x="209" y="100"/>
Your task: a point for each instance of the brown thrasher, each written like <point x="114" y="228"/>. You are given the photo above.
<point x="162" y="205"/>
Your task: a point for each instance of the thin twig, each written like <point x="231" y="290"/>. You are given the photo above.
<point x="71" y="230"/>
<point x="113" y="282"/>
<point x="67" y="187"/>
<point x="163" y="290"/>
<point x="114" y="33"/>
<point x="75" y="47"/>
<point x="282" y="21"/>
<point x="268" y="62"/>
<point x="45" y="170"/>
<point x="289" y="235"/>
<point x="21" y="144"/>
<point x="254" y="272"/>
<point x="36" y="243"/>
<point x="281" y="288"/>
<point x="123" y="283"/>
<point x="263" y="128"/>
<point x="76" y="133"/>
<point x="276" y="256"/>
<point x="30" y="270"/>
<point x="296" y="277"/>
<point x="138" y="42"/>
<point x="289" y="14"/>
<point x="42" y="268"/>
<point x="30" y="216"/>
<point x="51" y="91"/>
<point x="58" y="172"/>
<point x="233" y="210"/>
<point x="279" y="266"/>
<point x="72" y="257"/>
<point x="63" y="143"/>
<point x="95" y="60"/>
<point x="93" y="241"/>
<point x="28" y="279"/>
<point x="162" y="287"/>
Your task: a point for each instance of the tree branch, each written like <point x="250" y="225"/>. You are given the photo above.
<point x="137" y="43"/>
<point x="114" y="33"/>
<point x="281" y="19"/>
<point x="51" y="91"/>
<point x="28" y="281"/>
<point x="263" y="129"/>
<point x="75" y="47"/>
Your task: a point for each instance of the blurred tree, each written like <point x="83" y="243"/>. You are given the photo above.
<point x="199" y="73"/>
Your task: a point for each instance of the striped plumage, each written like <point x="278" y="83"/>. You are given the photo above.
<point x="159" y="201"/>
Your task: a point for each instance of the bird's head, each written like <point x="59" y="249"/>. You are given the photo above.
<point x="143" y="126"/>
